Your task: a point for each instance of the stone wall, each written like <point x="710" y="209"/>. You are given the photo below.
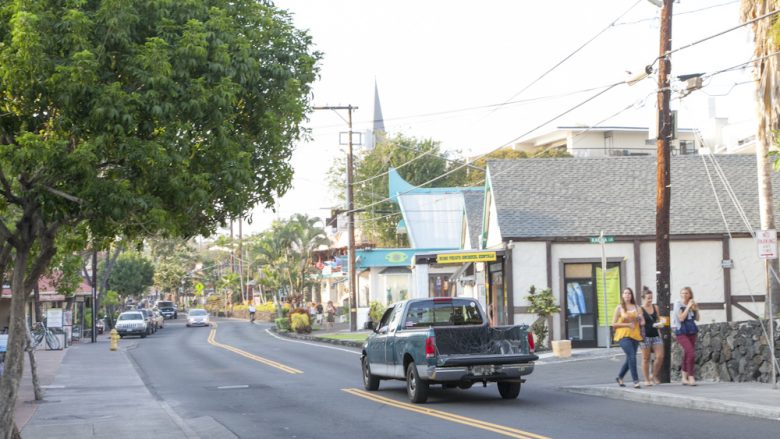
<point x="734" y="351"/>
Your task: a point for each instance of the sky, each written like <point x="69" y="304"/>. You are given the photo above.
<point x="467" y="74"/>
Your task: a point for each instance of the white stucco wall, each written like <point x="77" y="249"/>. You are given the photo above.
<point x="494" y="239"/>
<point x="529" y="267"/>
<point x="697" y="264"/>
<point x="419" y="281"/>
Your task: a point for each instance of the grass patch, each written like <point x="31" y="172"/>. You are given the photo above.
<point x="353" y="336"/>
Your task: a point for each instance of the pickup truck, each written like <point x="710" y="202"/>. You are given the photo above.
<point x="445" y="341"/>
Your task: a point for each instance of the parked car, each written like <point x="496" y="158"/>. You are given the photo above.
<point x="168" y="309"/>
<point x="150" y="323"/>
<point x="159" y="320"/>
<point x="446" y="341"/>
<point x="132" y="323"/>
<point x="197" y="317"/>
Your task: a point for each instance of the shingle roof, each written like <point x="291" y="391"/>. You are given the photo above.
<point x="579" y="197"/>
<point x="474" y="204"/>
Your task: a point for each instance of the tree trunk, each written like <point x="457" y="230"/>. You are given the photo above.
<point x="33" y="368"/>
<point x="37" y="303"/>
<point x="14" y="357"/>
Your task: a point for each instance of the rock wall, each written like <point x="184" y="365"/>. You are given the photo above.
<point x="734" y="351"/>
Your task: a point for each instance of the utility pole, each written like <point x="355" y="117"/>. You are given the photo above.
<point x="663" y="184"/>
<point x="94" y="293"/>
<point x="351" y="216"/>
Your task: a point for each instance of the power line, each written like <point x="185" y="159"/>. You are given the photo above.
<point x="670" y="52"/>
<point x="567" y="57"/>
<point x="678" y="13"/>
<point x="569" y="110"/>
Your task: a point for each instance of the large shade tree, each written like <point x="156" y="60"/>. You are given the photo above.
<point x="135" y="117"/>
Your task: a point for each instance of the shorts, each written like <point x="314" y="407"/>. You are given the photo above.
<point x="650" y="341"/>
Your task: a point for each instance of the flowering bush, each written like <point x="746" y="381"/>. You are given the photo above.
<point x="300" y="323"/>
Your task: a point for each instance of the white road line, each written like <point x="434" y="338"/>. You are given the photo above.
<point x="240" y="386"/>
<point x="319" y="345"/>
<point x="52" y="387"/>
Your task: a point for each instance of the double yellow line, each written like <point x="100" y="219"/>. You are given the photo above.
<point x="212" y="341"/>
<point x="471" y="422"/>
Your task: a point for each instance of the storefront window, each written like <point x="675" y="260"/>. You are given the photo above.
<point x="396" y="287"/>
<point x="439" y="285"/>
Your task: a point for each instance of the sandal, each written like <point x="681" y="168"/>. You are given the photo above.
<point x="620" y="382"/>
<point x="656" y="381"/>
<point x="648" y="384"/>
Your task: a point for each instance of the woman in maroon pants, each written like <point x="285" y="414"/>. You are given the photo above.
<point x="687" y="314"/>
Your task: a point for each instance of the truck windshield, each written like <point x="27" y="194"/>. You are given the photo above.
<point x="443" y="313"/>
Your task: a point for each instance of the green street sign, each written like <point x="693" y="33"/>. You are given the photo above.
<point x="598" y="239"/>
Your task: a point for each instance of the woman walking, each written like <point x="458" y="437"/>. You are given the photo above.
<point x="685" y="313"/>
<point x="652" y="343"/>
<point x="627" y="322"/>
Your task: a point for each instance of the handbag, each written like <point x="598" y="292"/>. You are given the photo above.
<point x="687" y="327"/>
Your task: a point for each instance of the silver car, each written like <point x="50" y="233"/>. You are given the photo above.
<point x="198" y="317"/>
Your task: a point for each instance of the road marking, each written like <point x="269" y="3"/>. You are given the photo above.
<point x="212" y="341"/>
<point x="476" y="423"/>
<point x="319" y="345"/>
<point x="239" y="386"/>
<point x="52" y="387"/>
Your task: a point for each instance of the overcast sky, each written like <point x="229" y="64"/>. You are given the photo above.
<point x="444" y="67"/>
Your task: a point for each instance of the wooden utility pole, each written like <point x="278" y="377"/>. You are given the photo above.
<point x="663" y="183"/>
<point x="351" y="215"/>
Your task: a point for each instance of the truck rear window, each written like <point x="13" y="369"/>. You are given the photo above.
<point x="443" y="313"/>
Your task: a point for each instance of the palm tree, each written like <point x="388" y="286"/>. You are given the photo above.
<point x="306" y="236"/>
<point x="765" y="35"/>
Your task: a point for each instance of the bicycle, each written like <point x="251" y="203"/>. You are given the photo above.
<point x="41" y="332"/>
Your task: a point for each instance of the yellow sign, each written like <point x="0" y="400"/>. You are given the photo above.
<point x="459" y="258"/>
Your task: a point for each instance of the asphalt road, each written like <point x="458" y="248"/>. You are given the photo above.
<point x="239" y="378"/>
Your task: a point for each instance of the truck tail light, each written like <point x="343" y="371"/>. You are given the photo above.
<point x="531" y="341"/>
<point x="430" y="347"/>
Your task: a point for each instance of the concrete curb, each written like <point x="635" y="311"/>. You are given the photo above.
<point x="348" y="343"/>
<point x="674" y="400"/>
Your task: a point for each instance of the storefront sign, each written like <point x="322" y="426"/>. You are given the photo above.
<point x="459" y="258"/>
<point x="54" y="317"/>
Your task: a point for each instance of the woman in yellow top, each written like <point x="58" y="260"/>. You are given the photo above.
<point x="627" y="322"/>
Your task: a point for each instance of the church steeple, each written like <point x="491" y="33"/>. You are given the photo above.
<point x="378" y="127"/>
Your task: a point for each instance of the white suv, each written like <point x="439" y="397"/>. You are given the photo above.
<point x="131" y="323"/>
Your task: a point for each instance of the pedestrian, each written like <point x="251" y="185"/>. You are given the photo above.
<point x="312" y="313"/>
<point x="251" y="312"/>
<point x="627" y="322"/>
<point x="319" y="314"/>
<point x="330" y="315"/>
<point x="685" y="313"/>
<point x="652" y="343"/>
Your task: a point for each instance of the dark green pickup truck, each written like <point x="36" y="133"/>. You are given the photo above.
<point x="446" y="341"/>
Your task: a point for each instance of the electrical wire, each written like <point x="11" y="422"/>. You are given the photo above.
<point x="686" y="46"/>
<point x="569" y="110"/>
<point x="678" y="14"/>
<point x="567" y="57"/>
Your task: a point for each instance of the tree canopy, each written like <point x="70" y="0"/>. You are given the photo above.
<point x="132" y="274"/>
<point x="139" y="117"/>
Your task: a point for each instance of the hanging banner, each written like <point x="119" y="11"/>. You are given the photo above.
<point x="613" y="294"/>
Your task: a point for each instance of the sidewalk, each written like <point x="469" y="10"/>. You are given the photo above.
<point x="97" y="392"/>
<point x="752" y="399"/>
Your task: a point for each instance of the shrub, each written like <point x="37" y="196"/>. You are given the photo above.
<point x="376" y="311"/>
<point x="543" y="305"/>
<point x="300" y="323"/>
<point x="282" y="324"/>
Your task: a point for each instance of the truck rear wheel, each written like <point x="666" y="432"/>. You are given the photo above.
<point x="416" y="387"/>
<point x="508" y="390"/>
<point x="370" y="382"/>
